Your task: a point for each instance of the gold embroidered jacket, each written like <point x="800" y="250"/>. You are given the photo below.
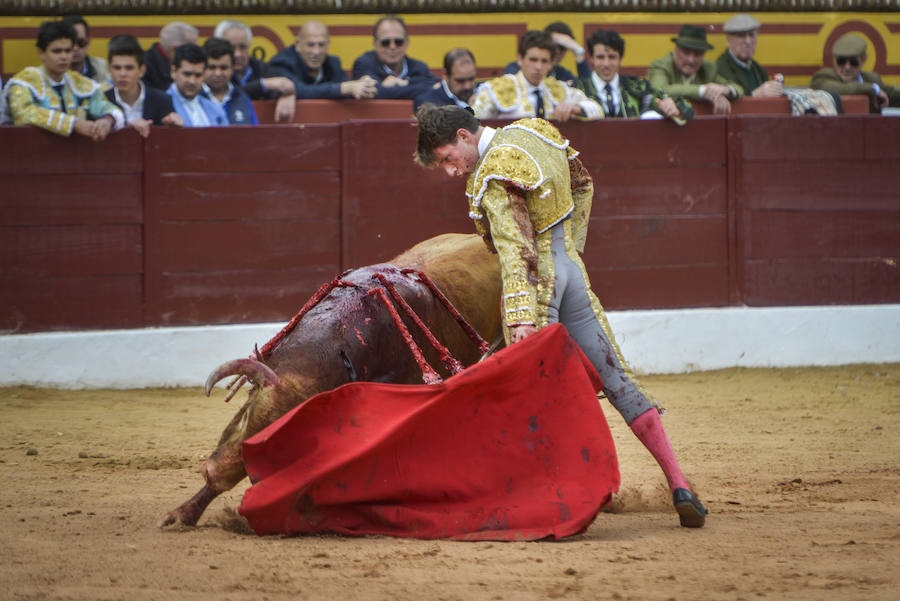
<point x="527" y="180"/>
<point x="33" y="101"/>
<point x="506" y="97"/>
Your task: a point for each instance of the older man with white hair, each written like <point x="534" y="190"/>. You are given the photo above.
<point x="158" y="59"/>
<point x="737" y="62"/>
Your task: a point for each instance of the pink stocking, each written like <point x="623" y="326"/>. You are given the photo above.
<point x="649" y="430"/>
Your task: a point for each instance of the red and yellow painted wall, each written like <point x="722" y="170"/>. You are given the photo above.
<point x="792" y="43"/>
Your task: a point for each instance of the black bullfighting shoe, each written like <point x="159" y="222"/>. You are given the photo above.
<point x="690" y="510"/>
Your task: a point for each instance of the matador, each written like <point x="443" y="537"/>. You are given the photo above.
<point x="530" y="197"/>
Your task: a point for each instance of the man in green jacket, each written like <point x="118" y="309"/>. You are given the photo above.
<point x="847" y="76"/>
<point x="737" y="63"/>
<point x="683" y="72"/>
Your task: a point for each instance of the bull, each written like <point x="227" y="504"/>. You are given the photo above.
<point x="350" y="334"/>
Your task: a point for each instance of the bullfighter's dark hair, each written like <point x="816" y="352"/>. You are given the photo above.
<point x="438" y="126"/>
<point x="191" y="53"/>
<point x="537" y="39"/>
<point x="50" y="31"/>
<point x="125" y="45"/>
<point x="607" y="37"/>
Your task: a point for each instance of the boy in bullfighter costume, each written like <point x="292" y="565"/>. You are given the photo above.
<point x="530" y="197"/>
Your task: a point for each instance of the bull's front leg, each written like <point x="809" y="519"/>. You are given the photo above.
<point x="190" y="511"/>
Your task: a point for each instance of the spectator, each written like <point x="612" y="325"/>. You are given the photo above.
<point x="459" y="84"/>
<point x="565" y="40"/>
<point x="92" y="67"/>
<point x="142" y="105"/>
<point x="191" y="103"/>
<point x="314" y="72"/>
<point x="4" y="109"/>
<point x="158" y="59"/>
<point x="683" y="72"/>
<point x="57" y="99"/>
<point x="625" y="95"/>
<point x="397" y="75"/>
<point x="532" y="92"/>
<point x="737" y="63"/>
<point x="847" y="76"/>
<point x="218" y="85"/>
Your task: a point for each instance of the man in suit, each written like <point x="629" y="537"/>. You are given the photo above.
<point x="158" y="58"/>
<point x="625" y="95"/>
<point x="398" y="76"/>
<point x="847" y="76"/>
<point x="188" y="97"/>
<point x="143" y="106"/>
<point x="315" y="73"/>
<point x="683" y="72"/>
<point x="459" y="84"/>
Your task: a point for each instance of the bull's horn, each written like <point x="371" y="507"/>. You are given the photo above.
<point x="257" y="372"/>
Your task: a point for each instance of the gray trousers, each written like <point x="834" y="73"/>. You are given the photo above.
<point x="571" y="306"/>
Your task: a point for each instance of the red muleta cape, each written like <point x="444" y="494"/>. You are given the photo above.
<point x="513" y="448"/>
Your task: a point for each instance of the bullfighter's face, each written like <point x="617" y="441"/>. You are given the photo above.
<point x="57" y="58"/>
<point x="459" y="158"/>
<point x="535" y="64"/>
<point x="606" y="62"/>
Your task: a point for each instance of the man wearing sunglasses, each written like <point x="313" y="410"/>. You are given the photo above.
<point x="398" y="76"/>
<point x="847" y="76"/>
<point x="92" y="67"/>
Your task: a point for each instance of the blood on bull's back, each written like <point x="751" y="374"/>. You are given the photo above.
<point x="350" y="333"/>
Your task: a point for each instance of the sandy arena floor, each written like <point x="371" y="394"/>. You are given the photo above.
<point x="800" y="469"/>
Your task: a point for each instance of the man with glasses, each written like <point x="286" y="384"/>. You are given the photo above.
<point x="398" y="76"/>
<point x="847" y="76"/>
<point x="92" y="67"/>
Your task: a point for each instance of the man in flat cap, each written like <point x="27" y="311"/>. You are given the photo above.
<point x="847" y="76"/>
<point x="683" y="72"/>
<point x="737" y="63"/>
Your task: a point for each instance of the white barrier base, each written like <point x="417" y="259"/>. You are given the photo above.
<point x="660" y="341"/>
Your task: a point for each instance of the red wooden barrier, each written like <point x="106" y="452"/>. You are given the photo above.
<point x="71" y="214"/>
<point x="242" y="224"/>
<point x="851" y="105"/>
<point x="337" y="111"/>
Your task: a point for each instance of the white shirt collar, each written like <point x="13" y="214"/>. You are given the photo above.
<point x="132" y="111"/>
<point x="486" y="136"/>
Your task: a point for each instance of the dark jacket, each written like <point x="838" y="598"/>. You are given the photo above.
<point x="750" y="79"/>
<point x="828" y="79"/>
<point x="638" y="96"/>
<point x="156" y="104"/>
<point x="290" y="64"/>
<point x="251" y="82"/>
<point x="159" y="72"/>
<point x="239" y="108"/>
<point x="419" y="76"/>
<point x="436" y="96"/>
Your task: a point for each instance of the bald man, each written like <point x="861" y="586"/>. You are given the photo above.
<point x="315" y="73"/>
<point x="158" y="59"/>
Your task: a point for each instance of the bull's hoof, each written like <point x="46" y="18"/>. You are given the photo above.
<point x="177" y="517"/>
